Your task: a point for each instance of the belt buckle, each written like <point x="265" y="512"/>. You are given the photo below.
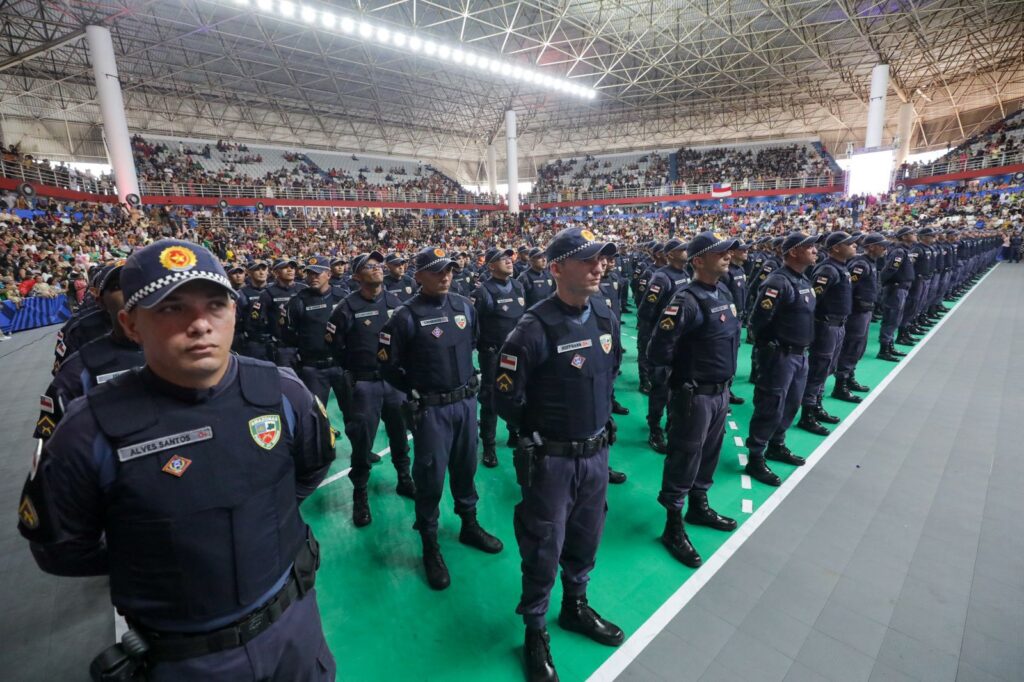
<point x="253" y="625"/>
<point x="577" y="448"/>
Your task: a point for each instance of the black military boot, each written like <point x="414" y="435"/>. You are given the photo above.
<point x="824" y="417"/>
<point x="905" y="339"/>
<point x="841" y="391"/>
<point x="809" y="422"/>
<point x="537" y="656"/>
<point x="699" y="513"/>
<point x="619" y="408"/>
<point x="513" y="438"/>
<point x="475" y="536"/>
<point x="406" y="487"/>
<point x="657" y="440"/>
<point x="360" y="508"/>
<point x="433" y="563"/>
<point x="577" y="616"/>
<point x="778" y="452"/>
<point x="616" y="477"/>
<point x="853" y="385"/>
<point x="886" y="352"/>
<point x="735" y="399"/>
<point x="758" y="470"/>
<point x="490" y="458"/>
<point x="645" y="386"/>
<point x="676" y="541"/>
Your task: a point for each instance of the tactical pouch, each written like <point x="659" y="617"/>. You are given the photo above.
<point x="682" y="400"/>
<point x="524" y="458"/>
<point x="122" y="662"/>
<point x="348" y="385"/>
<point x="307" y="561"/>
<point x="412" y="410"/>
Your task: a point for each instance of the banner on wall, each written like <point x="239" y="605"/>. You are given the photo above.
<point x="32" y="313"/>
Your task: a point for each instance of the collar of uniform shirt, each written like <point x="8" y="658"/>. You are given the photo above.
<point x="577" y="315"/>
<point x="191" y="395"/>
<point x="505" y="286"/>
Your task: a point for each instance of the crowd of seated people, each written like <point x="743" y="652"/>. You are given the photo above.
<point x="602" y="174"/>
<point x="744" y="166"/>
<point x="991" y="147"/>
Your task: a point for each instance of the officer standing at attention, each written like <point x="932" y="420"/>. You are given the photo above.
<point x="257" y="341"/>
<point x="304" y="327"/>
<point x="536" y="280"/>
<point x="500" y="302"/>
<point x="643" y="328"/>
<point x="864" y="282"/>
<point x="555" y="387"/>
<point x="662" y="286"/>
<point x="697" y="337"/>
<point x="426" y="351"/>
<point x="396" y="281"/>
<point x="464" y="279"/>
<point x="611" y="284"/>
<point x="783" y="324"/>
<point x="353" y="332"/>
<point x="834" y="293"/>
<point x="90" y="322"/>
<point x="736" y="281"/>
<point x="522" y="261"/>
<point x="196" y="462"/>
<point x="896" y="277"/>
<point x="339" y="278"/>
<point x="273" y="302"/>
<point x="236" y="274"/>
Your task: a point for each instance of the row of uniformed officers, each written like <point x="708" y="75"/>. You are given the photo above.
<point x="160" y="476"/>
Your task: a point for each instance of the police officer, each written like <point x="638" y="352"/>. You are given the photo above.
<point x="522" y="261"/>
<point x="536" y="280"/>
<point x="182" y="481"/>
<point x="737" y="283"/>
<point x="896" y="277"/>
<point x="257" y="341"/>
<point x="644" y="330"/>
<point x="697" y="337"/>
<point x="612" y="282"/>
<point x="500" y="302"/>
<point x="426" y="351"/>
<point x="783" y="324"/>
<point x="273" y="302"/>
<point x="353" y="335"/>
<point x="923" y="258"/>
<point x="95" y="363"/>
<point x="304" y="328"/>
<point x="397" y="281"/>
<point x="662" y="286"/>
<point x="833" y="290"/>
<point x="91" y="321"/>
<point x="865" y="289"/>
<point x="340" y="278"/>
<point x="555" y="388"/>
<point x="236" y="274"/>
<point x="464" y="278"/>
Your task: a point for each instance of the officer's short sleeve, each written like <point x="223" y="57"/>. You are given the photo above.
<point x="312" y="437"/>
<point x="523" y="350"/>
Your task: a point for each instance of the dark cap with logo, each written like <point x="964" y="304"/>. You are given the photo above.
<point x="433" y="259"/>
<point x="577" y="243"/>
<point x="154" y="272"/>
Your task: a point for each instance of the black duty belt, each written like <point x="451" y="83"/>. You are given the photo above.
<point x="365" y="376"/>
<point x="791" y="349"/>
<point x="832" y="320"/>
<point x="863" y="306"/>
<point x="460" y="393"/>
<point x="322" y="363"/>
<point x="575" y="449"/>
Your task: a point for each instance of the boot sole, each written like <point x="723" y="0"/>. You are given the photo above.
<point x="600" y="640"/>
<point x="485" y="550"/>
<point x="696" y="562"/>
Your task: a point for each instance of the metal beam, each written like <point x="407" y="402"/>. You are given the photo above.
<point x="40" y="50"/>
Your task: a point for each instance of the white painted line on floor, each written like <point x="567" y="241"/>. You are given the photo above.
<point x="120" y="626"/>
<point x="748" y="506"/>
<point x="629" y="336"/>
<point x="345" y="472"/>
<point x="745" y="481"/>
<point x="742" y="458"/>
<point x="732" y="425"/>
<point x="738" y="440"/>
<point x="646" y="633"/>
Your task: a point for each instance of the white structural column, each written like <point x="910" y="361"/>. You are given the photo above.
<point x="876" y="105"/>
<point x="905" y="130"/>
<point x="492" y="169"/>
<point x="115" y="125"/>
<point x="512" y="160"/>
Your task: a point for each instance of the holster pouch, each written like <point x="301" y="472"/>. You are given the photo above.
<point x="682" y="400"/>
<point x="525" y="457"/>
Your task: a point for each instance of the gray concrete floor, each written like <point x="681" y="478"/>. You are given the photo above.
<point x="900" y="556"/>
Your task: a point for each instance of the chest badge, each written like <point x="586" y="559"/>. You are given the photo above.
<point x="436" y="332"/>
<point x="176" y="466"/>
<point x="504" y="307"/>
<point x="722" y="318"/>
<point x="521" y="301"/>
<point x="577" y="361"/>
<point x="606" y="343"/>
<point x="460" y="321"/>
<point x="265" y="430"/>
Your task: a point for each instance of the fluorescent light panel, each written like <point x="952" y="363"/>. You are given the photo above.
<point x="381" y="35"/>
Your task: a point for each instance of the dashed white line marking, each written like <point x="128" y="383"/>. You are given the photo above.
<point x="732" y="425"/>
<point x="745" y="481"/>
<point x="748" y="506"/>
<point x="738" y="440"/>
<point x="345" y="472"/>
<point x="742" y="458"/>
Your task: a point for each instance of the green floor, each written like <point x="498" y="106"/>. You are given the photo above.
<point x="384" y="623"/>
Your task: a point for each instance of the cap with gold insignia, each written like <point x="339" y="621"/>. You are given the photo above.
<point x="577" y="243"/>
<point x="495" y="254"/>
<point x="434" y="259"/>
<point x="840" y="238"/>
<point x="151" y="274"/>
<point x="112" y="276"/>
<point x="794" y="240"/>
<point x="708" y="242"/>
<point x="285" y="262"/>
<point x="362" y="259"/>
<point x="317" y="264"/>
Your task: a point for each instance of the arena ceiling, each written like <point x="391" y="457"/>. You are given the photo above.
<point x="666" y="71"/>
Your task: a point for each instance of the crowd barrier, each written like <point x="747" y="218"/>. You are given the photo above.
<point x="32" y="313"/>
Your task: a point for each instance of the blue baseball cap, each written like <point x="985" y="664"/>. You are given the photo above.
<point x="794" y="240"/>
<point x="359" y="261"/>
<point x="338" y="260"/>
<point x="395" y="259"/>
<point x="257" y="263"/>
<point x="708" y="242"/>
<point x="237" y="267"/>
<point x="674" y="245"/>
<point x="151" y="274"/>
<point x="318" y="264"/>
<point x="874" y="239"/>
<point x="111" y="275"/>
<point x="903" y="232"/>
<point x="494" y="253"/>
<point x="926" y="232"/>
<point x="284" y="262"/>
<point x="577" y="243"/>
<point x="433" y="259"/>
<point x="839" y="238"/>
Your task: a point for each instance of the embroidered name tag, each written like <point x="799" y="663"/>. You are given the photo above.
<point x="137" y="450"/>
<point x="575" y="345"/>
<point x="719" y="309"/>
<point x="804" y="291"/>
<point x="282" y="299"/>
<point x="319" y="306"/>
<point x="367" y="313"/>
<point x="433" y="320"/>
<point x="504" y="300"/>
<point x="104" y="378"/>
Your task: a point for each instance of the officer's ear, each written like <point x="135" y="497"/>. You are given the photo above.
<point x="128" y="322"/>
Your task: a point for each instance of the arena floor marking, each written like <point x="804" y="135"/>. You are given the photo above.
<point x="345" y="472"/>
<point x="643" y="636"/>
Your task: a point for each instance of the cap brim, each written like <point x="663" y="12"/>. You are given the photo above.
<point x="507" y="253"/>
<point x="159" y="295"/>
<point x="438" y="265"/>
<point x="808" y="241"/>
<point x="317" y="268"/>
<point x="285" y="264"/>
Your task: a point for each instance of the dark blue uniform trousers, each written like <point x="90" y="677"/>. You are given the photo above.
<point x="777" y="393"/>
<point x="694" y="445"/>
<point x="824" y="356"/>
<point x="370" y="401"/>
<point x="559" y="522"/>
<point x="912" y="306"/>
<point x="286" y="356"/>
<point x="488" y="417"/>
<point x="261" y="350"/>
<point x="293" y="649"/>
<point x="894" y="299"/>
<point x="658" y="397"/>
<point x="643" y="337"/>
<point x="444" y="441"/>
<point x="854" y="344"/>
<point x="321" y="381"/>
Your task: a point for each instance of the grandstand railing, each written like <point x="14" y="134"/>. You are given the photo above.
<point x="35" y="173"/>
<point x="274" y="193"/>
<point x="261" y="224"/>
<point x="570" y="194"/>
<point x="958" y="166"/>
